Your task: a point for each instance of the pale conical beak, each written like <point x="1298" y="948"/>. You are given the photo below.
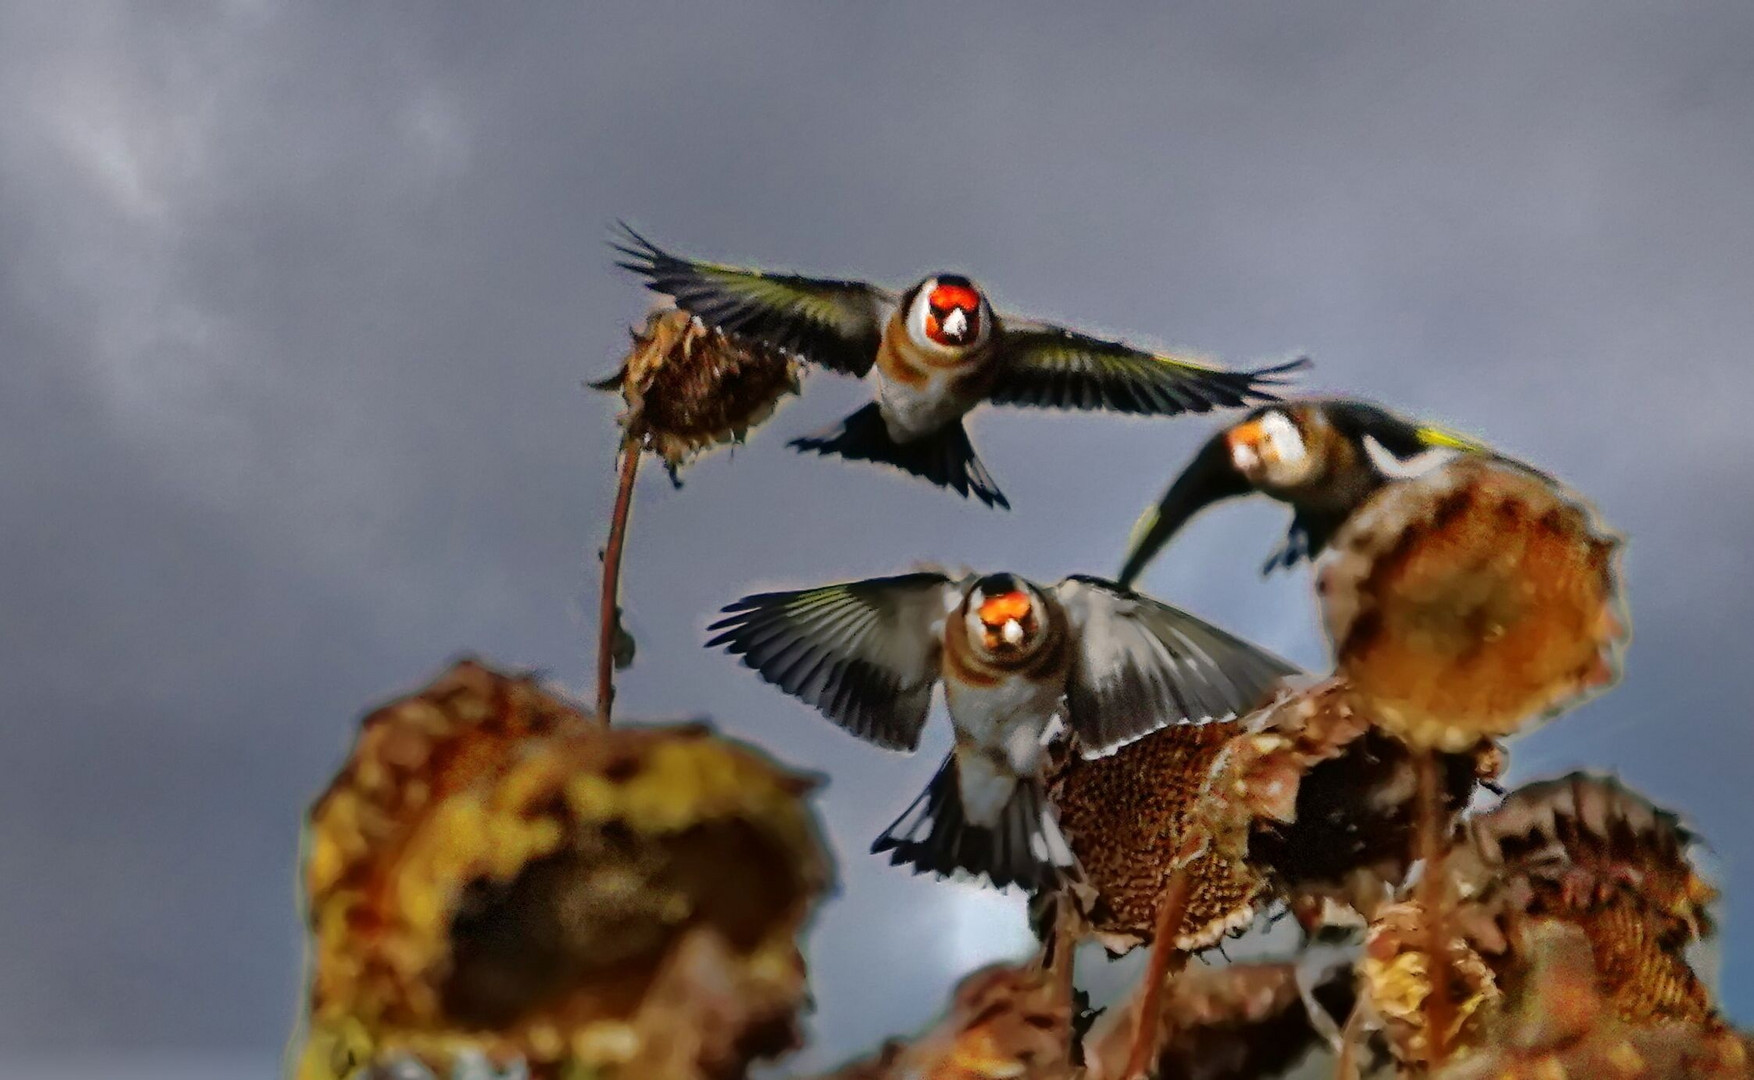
<point x="956" y="323"/>
<point x="1245" y="442"/>
<point x="1012" y="632"/>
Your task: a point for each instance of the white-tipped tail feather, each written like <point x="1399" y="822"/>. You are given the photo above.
<point x="1025" y="847"/>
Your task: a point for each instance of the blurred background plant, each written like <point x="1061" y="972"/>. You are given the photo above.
<point x="495" y="875"/>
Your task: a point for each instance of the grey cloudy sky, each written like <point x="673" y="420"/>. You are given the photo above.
<point x="295" y="301"/>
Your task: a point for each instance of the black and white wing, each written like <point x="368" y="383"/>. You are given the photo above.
<point x="865" y="653"/>
<point x="1139" y="665"/>
<point x="836" y="324"/>
<point x="1051" y="367"/>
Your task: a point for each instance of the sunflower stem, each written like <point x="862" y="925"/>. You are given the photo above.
<point x="1063" y="948"/>
<point x="1166" y="961"/>
<point x="609" y="618"/>
<point x="1439" y="1009"/>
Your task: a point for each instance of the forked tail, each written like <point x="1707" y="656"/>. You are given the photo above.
<point x="1025" y="848"/>
<point x="945" y="457"/>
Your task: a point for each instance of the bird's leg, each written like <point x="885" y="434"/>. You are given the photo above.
<point x="1166" y="960"/>
<point x="609" y="613"/>
<point x="1439" y="1009"/>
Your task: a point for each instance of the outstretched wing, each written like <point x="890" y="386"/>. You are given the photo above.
<point x="1140" y="665"/>
<point x="837" y="324"/>
<point x="865" y="653"/>
<point x="1207" y="479"/>
<point x="1051" y="367"/>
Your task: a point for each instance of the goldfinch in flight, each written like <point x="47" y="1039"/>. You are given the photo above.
<point x="939" y="350"/>
<point x="1015" y="659"/>
<point x="1322" y="456"/>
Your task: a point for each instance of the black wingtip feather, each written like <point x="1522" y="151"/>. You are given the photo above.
<point x="1277" y="371"/>
<point x="634" y="235"/>
<point x="1261" y="385"/>
<point x="642" y="257"/>
<point x="945" y="458"/>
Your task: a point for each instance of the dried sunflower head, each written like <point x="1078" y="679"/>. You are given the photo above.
<point x="1588" y="851"/>
<point x="690" y="387"/>
<point x="1315" y="799"/>
<point x="1126" y="816"/>
<point x="492" y="873"/>
<point x="1472" y="600"/>
<point x="1554" y="1025"/>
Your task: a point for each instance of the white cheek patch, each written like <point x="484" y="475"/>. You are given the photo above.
<point x="1405" y="468"/>
<point x="1283" y="439"/>
<point x="916" y="323"/>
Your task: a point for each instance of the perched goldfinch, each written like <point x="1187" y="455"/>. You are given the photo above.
<point x="1015" y="659"/>
<point x="939" y="350"/>
<point x="1322" y="456"/>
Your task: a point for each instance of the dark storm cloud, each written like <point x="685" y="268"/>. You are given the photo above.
<point x="296" y="299"/>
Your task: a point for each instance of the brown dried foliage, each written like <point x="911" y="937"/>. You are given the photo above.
<point x="1313" y="798"/>
<point x="1582" y="854"/>
<point x="1557" y="1026"/>
<point x="1230" y="1023"/>
<point x="1588" y="851"/>
<point x="1395" y="980"/>
<point x="491" y="870"/>
<point x="1004" y="1023"/>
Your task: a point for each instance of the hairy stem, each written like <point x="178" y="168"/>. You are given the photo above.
<point x="1166" y="961"/>
<point x="1063" y="948"/>
<point x="1439" y="1009"/>
<point x="608" y="618"/>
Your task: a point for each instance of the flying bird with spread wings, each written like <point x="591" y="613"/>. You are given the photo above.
<point x="939" y="350"/>
<point x="1322" y="456"/>
<point x="1015" y="660"/>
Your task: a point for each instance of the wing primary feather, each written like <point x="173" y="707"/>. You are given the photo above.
<point x="834" y="323"/>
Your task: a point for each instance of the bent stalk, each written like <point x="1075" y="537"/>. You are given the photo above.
<point x="608" y="618"/>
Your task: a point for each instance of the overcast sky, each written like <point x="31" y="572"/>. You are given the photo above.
<point x="295" y="302"/>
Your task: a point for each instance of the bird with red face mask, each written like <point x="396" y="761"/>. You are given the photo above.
<point x="1015" y="660"/>
<point x="1323" y="456"/>
<point x="939" y="349"/>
